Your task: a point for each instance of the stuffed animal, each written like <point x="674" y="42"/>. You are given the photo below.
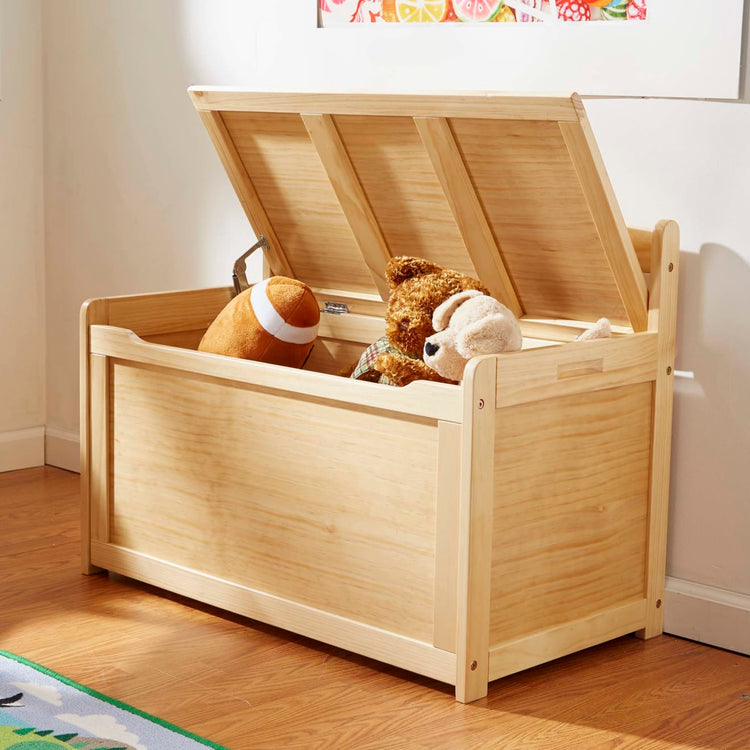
<point x="275" y="321"/>
<point x="469" y="324"/>
<point x="418" y="288"/>
<point x="602" y="329"/>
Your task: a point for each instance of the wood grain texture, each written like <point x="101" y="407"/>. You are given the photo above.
<point x="343" y="632"/>
<point x="615" y="240"/>
<point x="248" y="686"/>
<point x="539" y="213"/>
<point x="574" y="635"/>
<point x="432" y="400"/>
<point x="583" y="367"/>
<point x="191" y="467"/>
<point x="351" y="197"/>
<point x="475" y="540"/>
<point x="481" y="244"/>
<point x="662" y="313"/>
<point x="403" y="190"/>
<point x="481" y="104"/>
<point x="299" y="201"/>
<point x="571" y="508"/>
<point x="93" y="312"/>
<point x="242" y="182"/>
<point x="166" y="312"/>
<point x="446" y="535"/>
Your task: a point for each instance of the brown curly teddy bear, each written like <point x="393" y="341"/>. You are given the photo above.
<point x="418" y="287"/>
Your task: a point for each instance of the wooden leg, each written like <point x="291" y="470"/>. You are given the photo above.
<point x="665" y="255"/>
<point x="475" y="533"/>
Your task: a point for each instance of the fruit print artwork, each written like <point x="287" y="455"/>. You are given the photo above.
<point x="345" y="12"/>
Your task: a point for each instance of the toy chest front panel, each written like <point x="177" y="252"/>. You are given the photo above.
<point x="249" y="487"/>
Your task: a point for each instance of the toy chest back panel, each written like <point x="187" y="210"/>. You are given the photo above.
<point x="463" y="532"/>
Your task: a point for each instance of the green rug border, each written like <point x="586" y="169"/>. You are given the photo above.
<point x="112" y="701"/>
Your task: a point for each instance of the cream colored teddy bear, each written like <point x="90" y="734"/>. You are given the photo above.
<point x="469" y="324"/>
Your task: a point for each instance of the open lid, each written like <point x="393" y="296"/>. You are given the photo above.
<point x="509" y="189"/>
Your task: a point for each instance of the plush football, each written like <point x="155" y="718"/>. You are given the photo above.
<point x="274" y="321"/>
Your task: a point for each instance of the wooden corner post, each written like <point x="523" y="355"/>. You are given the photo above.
<point x="94" y="311"/>
<point x="662" y="318"/>
<point x="475" y="531"/>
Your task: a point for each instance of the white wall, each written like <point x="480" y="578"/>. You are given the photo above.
<point x="22" y="372"/>
<point x="136" y="201"/>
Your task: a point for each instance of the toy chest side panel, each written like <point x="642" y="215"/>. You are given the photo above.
<point x="571" y="501"/>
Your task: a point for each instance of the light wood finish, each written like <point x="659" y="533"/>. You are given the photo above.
<point x="446" y="535"/>
<point x="299" y="201"/>
<point x="248" y="686"/>
<point x="92" y="312"/>
<point x="246" y="192"/>
<point x="352" y="327"/>
<point x="480" y="243"/>
<point x="181" y="339"/>
<point x="357" y="637"/>
<point x="571" y="508"/>
<point x="551" y="643"/>
<point x="642" y="239"/>
<point x="523" y="202"/>
<point x="433" y="400"/>
<point x="611" y="226"/>
<point x="584" y="368"/>
<point x="486" y="105"/>
<point x="333" y="356"/>
<point x="662" y="318"/>
<point x="535" y="204"/>
<point x="403" y="190"/>
<point x="475" y="531"/>
<point x="354" y="204"/>
<point x="99" y="463"/>
<point x="562" y="330"/>
<point x="165" y="312"/>
<point x="191" y="464"/>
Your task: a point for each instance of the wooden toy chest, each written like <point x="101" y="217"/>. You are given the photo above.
<point x="461" y="532"/>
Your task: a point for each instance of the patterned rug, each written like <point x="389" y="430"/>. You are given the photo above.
<point x="41" y="710"/>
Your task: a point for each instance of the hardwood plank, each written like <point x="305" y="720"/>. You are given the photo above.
<point x="582" y="367"/>
<point x="351" y="196"/>
<point x="480" y="242"/>
<point x="246" y="192"/>
<point x="252" y="687"/>
<point x="496" y="106"/>
<point x="662" y="318"/>
<point x="571" y="510"/>
<point x="475" y="531"/>
<point x="613" y="233"/>
<point x="421" y="398"/>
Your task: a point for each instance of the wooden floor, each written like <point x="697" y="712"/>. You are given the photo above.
<point x="248" y="686"/>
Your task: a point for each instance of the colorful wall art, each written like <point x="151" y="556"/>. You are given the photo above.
<point x="343" y="12"/>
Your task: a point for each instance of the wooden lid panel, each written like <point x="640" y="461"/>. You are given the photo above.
<point x="511" y="190"/>
<point x="298" y="199"/>
<point x="402" y="189"/>
<point x="534" y="203"/>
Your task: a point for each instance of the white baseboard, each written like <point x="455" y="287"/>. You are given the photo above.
<point x="707" y="614"/>
<point x="62" y="449"/>
<point x="21" y="449"/>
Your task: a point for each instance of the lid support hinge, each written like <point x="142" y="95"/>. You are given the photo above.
<point x="239" y="272"/>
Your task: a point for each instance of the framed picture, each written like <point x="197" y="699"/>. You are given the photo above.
<point x="343" y="12"/>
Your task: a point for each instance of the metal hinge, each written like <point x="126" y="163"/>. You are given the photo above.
<point x="335" y="308"/>
<point x="239" y="272"/>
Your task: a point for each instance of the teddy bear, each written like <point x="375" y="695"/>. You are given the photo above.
<point x="418" y="288"/>
<point x="469" y="324"/>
